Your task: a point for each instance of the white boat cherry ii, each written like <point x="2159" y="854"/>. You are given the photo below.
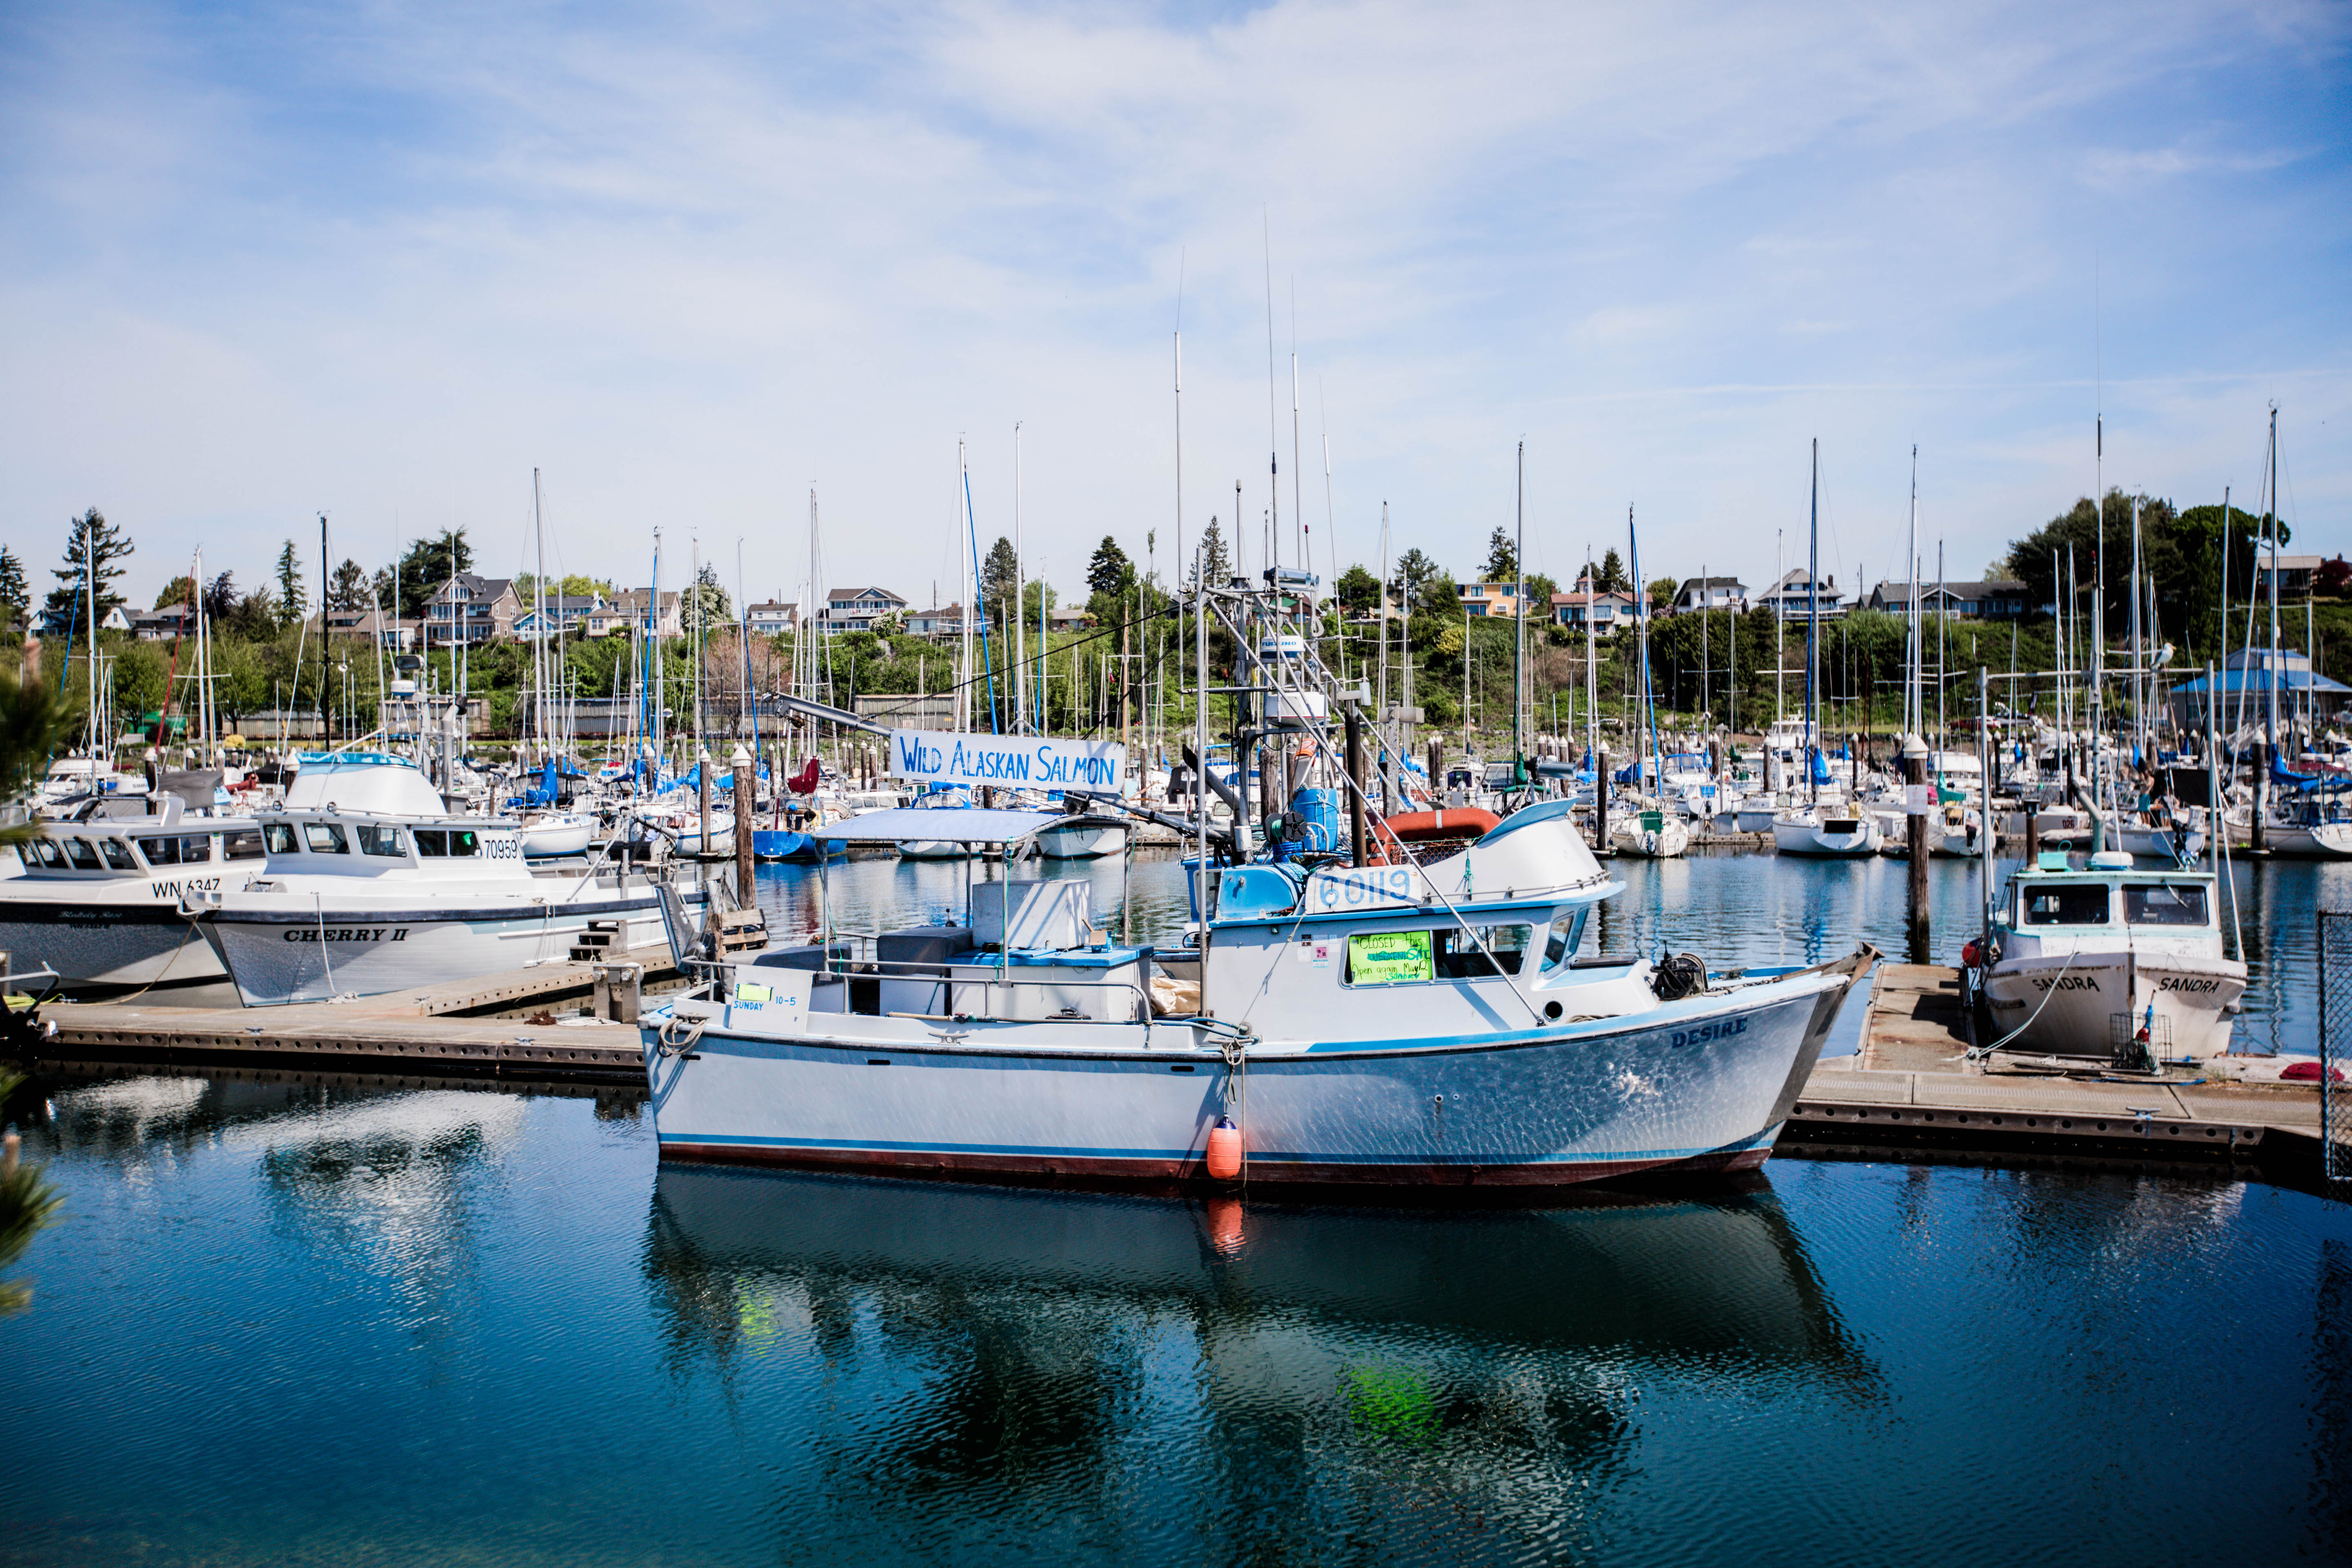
<point x="1384" y="1025"/>
<point x="369" y="886"/>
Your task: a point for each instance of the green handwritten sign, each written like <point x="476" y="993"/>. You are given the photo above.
<point x="1389" y="957"/>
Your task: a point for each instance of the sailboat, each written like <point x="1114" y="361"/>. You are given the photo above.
<point x="1646" y="830"/>
<point x="1832" y="829"/>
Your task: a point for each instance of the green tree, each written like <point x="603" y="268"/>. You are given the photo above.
<point x="1541" y="589"/>
<point x="293" y="600"/>
<point x="999" y="574"/>
<point x="426" y="565"/>
<point x="1214" y="563"/>
<point x="91" y="543"/>
<point x="349" y="590"/>
<point x="180" y="590"/>
<point x="15" y="597"/>
<point x="1502" y="559"/>
<point x="1356" y="588"/>
<point x="1109" y="570"/>
<point x="1612" y="578"/>
<point x="1661" y="591"/>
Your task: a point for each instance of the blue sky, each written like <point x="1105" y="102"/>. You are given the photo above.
<point x="382" y="259"/>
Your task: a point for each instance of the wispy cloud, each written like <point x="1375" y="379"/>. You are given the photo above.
<point x="691" y="259"/>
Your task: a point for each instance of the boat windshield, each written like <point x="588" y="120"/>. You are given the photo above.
<point x="2166" y="904"/>
<point x="2075" y="904"/>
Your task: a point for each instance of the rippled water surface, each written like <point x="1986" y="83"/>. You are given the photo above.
<point x="329" y="1324"/>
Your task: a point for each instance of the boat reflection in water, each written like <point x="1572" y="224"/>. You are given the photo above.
<point x="1063" y="1367"/>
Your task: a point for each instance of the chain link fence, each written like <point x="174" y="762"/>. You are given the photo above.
<point x="2335" y="1043"/>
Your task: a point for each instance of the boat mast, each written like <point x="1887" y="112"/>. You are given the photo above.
<point x="1020" y="582"/>
<point x="1911" y="725"/>
<point x="1814" y="628"/>
<point x="1519" y="630"/>
<point x="539" y="615"/>
<point x="2270" y="661"/>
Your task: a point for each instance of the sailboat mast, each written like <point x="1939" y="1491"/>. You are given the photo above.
<point x="1519" y="627"/>
<point x="1813" y="627"/>
<point x="1020" y="625"/>
<point x="539" y="615"/>
<point x="1911" y="561"/>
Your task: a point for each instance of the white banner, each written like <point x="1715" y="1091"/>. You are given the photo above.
<point x="1015" y="761"/>
<point x="1919" y="800"/>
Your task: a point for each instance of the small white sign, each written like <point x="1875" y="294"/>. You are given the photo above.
<point x="1315" y="951"/>
<point x="942" y="756"/>
<point x="1918" y="799"/>
<point x="1341" y="889"/>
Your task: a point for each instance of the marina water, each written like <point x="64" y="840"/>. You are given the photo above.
<point x="328" y="1323"/>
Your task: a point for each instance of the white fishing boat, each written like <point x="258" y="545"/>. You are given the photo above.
<point x="2109" y="964"/>
<point x="369" y="886"/>
<point x="1395" y="1025"/>
<point x="97" y="898"/>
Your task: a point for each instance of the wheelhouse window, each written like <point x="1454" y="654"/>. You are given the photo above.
<point x="380" y="838"/>
<point x="2076" y="905"/>
<point x="117" y="855"/>
<point x="325" y="839"/>
<point x="464" y="841"/>
<point x="2165" y="904"/>
<point x="279" y="837"/>
<point x="84" y="858"/>
<point x="159" y="851"/>
<point x="1567" y="935"/>
<point x="52" y="857"/>
<point x="195" y="850"/>
<point x="245" y="844"/>
<point x="433" y="843"/>
<point x="1474" y="955"/>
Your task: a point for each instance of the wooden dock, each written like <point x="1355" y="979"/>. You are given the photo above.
<point x="1909" y="1088"/>
<point x="524" y="1025"/>
<point x="1911" y="1085"/>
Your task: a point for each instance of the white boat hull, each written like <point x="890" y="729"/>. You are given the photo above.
<point x="2070" y="1004"/>
<point x="1824" y="838"/>
<point x="567" y="834"/>
<point x="1664" y="842"/>
<point x="1082" y="841"/>
<point x="115" y="944"/>
<point x="933" y="849"/>
<point x="282" y="955"/>
<point x="1701" y="1085"/>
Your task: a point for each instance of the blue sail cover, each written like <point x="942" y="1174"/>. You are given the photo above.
<point x="1822" y="774"/>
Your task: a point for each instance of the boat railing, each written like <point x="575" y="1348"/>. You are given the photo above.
<point x="860" y="964"/>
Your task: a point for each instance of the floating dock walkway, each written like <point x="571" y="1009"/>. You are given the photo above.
<point x="1910" y="1087"/>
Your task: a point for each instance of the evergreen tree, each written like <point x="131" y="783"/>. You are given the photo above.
<point x="221" y="598"/>
<point x="1612" y="575"/>
<point x="998" y="573"/>
<point x="1502" y="559"/>
<point x="1109" y="572"/>
<point x="292" y="601"/>
<point x="90" y="540"/>
<point x="15" y="597"/>
<point x="427" y="564"/>
<point x="1214" y="563"/>
<point x="180" y="590"/>
<point x="385" y="594"/>
<point x="348" y="589"/>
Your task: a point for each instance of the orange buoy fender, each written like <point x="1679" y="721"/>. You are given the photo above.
<point x="1459" y="822"/>
<point x="1225" y="1150"/>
